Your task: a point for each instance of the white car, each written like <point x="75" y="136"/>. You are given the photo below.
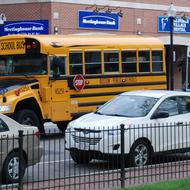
<point x="9" y="148"/>
<point x="155" y="121"/>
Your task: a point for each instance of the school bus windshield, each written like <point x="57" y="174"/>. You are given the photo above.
<point x="15" y="65"/>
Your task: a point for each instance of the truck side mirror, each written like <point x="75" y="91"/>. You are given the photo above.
<point x="160" y="114"/>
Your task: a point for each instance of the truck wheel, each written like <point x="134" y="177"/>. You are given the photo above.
<point x="11" y="168"/>
<point x="140" y="153"/>
<point x="29" y="117"/>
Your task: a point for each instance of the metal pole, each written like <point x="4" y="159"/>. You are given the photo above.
<point x="20" y="159"/>
<point x="122" y="176"/>
<point x="171" y="85"/>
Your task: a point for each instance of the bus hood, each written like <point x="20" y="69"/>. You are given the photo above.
<point x="11" y="84"/>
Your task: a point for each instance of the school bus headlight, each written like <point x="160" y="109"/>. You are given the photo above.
<point x="5" y="108"/>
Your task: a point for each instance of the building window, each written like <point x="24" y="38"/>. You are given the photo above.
<point x="75" y="60"/>
<point x="157" y="61"/>
<point x="111" y="61"/>
<point x="93" y="62"/>
<point x="129" y="62"/>
<point x="144" y="61"/>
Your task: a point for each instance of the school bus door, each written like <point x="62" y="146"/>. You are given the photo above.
<point x="60" y="106"/>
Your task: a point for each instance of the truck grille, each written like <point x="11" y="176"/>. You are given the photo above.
<point x="90" y="141"/>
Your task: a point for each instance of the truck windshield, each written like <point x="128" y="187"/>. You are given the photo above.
<point x="128" y="106"/>
<point x="14" y="65"/>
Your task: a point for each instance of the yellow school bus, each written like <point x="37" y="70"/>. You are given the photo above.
<point x="59" y="77"/>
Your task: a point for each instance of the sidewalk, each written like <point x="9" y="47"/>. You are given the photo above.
<point x="109" y="180"/>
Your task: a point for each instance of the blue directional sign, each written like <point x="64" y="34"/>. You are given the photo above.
<point x="24" y="27"/>
<point x="101" y="20"/>
<point x="180" y="25"/>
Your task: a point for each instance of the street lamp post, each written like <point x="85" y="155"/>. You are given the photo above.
<point x="171" y="15"/>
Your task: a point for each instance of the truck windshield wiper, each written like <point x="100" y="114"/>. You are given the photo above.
<point x="99" y="113"/>
<point x="115" y="114"/>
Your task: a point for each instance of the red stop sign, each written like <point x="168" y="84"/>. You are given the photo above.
<point x="78" y="82"/>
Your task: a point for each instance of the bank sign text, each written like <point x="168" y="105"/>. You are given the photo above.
<point x="101" y="20"/>
<point x="180" y="25"/>
<point x="24" y="27"/>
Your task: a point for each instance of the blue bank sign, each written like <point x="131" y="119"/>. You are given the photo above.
<point x="24" y="27"/>
<point x="180" y="25"/>
<point x="101" y="20"/>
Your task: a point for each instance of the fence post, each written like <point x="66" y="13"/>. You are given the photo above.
<point x="122" y="174"/>
<point x="20" y="143"/>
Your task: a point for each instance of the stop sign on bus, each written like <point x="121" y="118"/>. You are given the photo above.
<point x="78" y="82"/>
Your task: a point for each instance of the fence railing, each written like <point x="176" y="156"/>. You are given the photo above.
<point x="96" y="158"/>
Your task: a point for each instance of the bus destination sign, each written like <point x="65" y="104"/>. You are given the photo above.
<point x="12" y="46"/>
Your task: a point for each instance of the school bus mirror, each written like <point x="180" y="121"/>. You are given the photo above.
<point x="46" y="94"/>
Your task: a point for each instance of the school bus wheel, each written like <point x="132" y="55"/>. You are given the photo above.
<point x="29" y="117"/>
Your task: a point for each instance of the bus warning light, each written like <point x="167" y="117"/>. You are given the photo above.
<point x="31" y="45"/>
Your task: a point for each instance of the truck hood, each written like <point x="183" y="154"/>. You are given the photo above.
<point x="10" y="84"/>
<point x="100" y="122"/>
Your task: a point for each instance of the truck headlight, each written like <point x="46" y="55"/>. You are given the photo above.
<point x="5" y="108"/>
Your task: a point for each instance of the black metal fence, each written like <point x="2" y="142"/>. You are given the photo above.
<point x="96" y="158"/>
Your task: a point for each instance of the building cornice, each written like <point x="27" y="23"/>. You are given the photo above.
<point x="112" y="3"/>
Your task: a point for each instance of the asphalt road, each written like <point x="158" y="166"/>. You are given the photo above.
<point x="56" y="161"/>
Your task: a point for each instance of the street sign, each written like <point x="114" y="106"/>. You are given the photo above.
<point x="78" y="82"/>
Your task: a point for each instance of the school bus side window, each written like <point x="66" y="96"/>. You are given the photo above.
<point x="111" y="61"/>
<point x="75" y="60"/>
<point x="93" y="62"/>
<point x="58" y="66"/>
<point x="2" y="65"/>
<point x="157" y="61"/>
<point x="129" y="62"/>
<point x="144" y="61"/>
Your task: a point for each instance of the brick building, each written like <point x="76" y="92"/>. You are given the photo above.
<point x="139" y="17"/>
